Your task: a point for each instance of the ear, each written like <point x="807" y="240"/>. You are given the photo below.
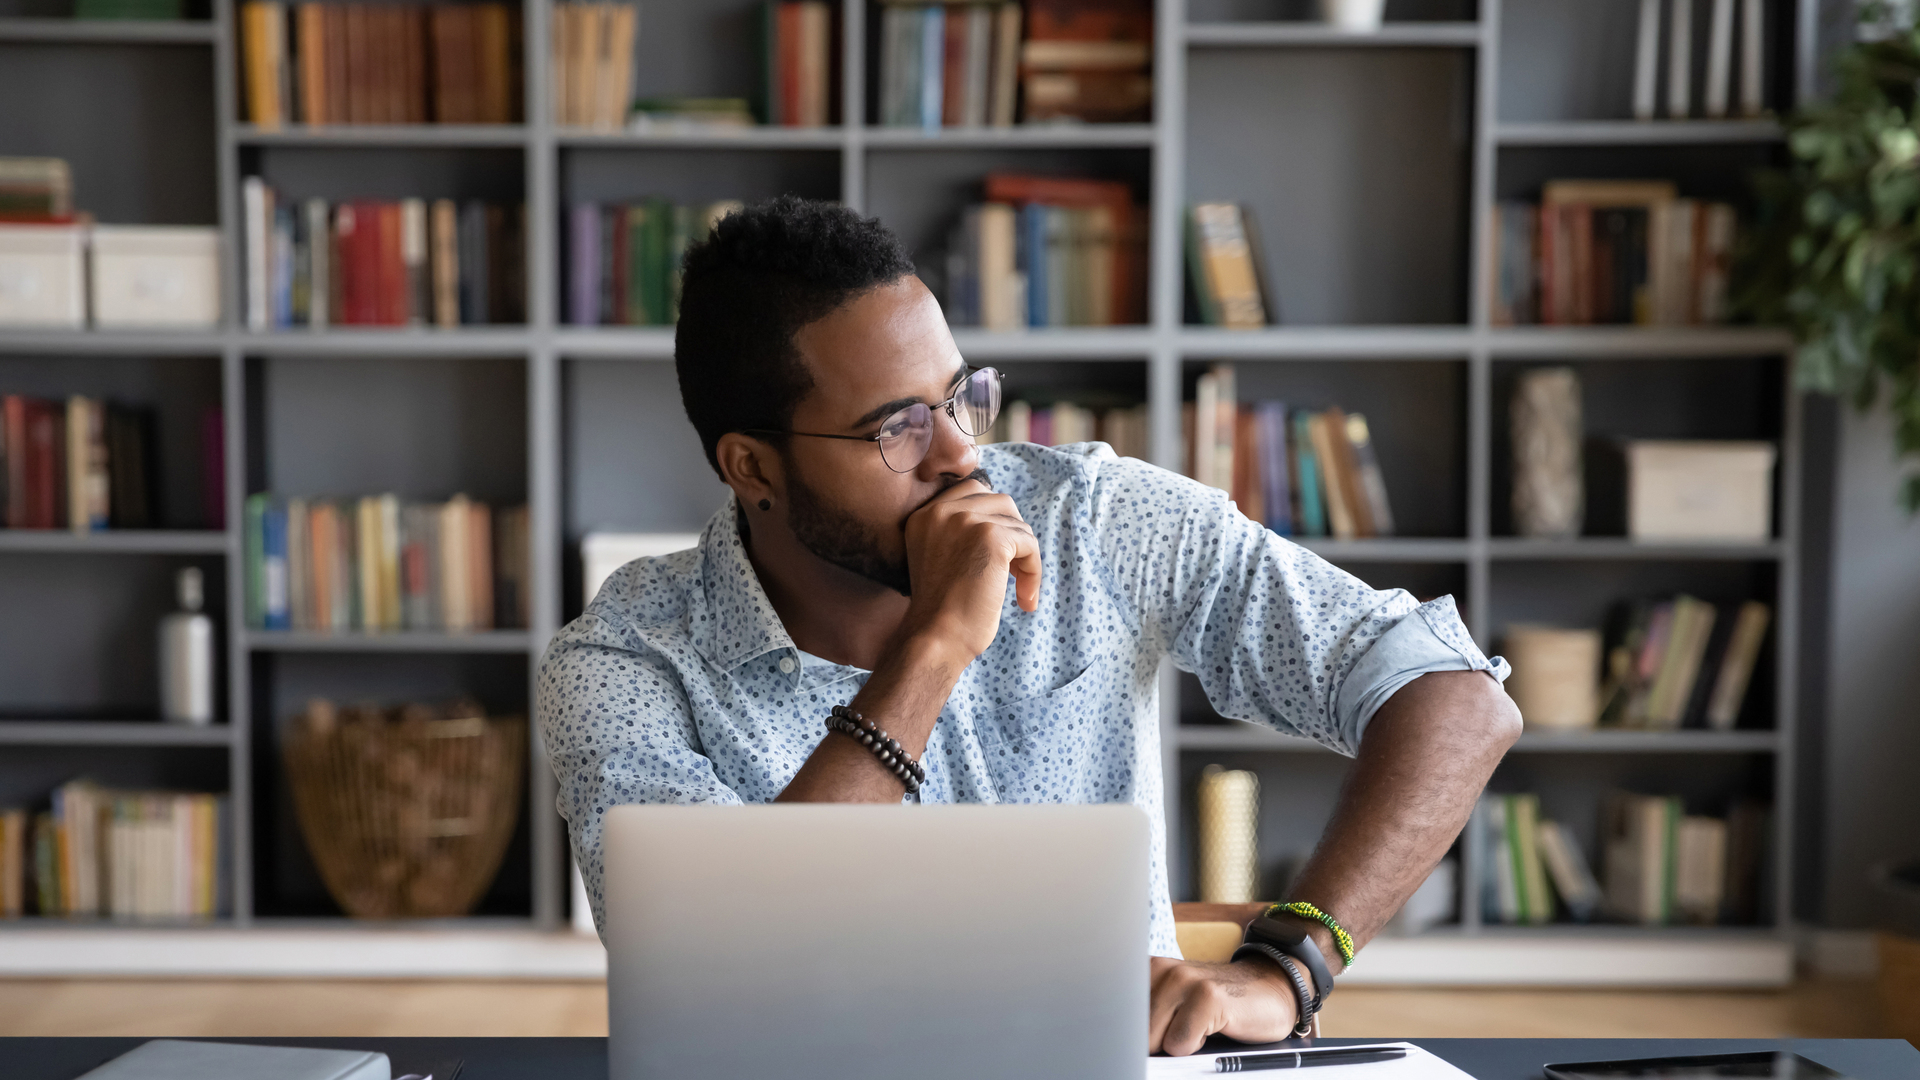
<point x="753" y="469"/>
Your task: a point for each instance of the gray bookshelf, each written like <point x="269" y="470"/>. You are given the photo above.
<point x="1372" y="161"/>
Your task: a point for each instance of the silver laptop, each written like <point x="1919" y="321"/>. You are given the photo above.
<point x="860" y="942"/>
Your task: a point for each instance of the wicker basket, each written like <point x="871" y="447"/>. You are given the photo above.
<point x="406" y="817"/>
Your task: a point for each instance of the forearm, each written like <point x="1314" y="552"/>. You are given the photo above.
<point x="904" y="696"/>
<point x="1427" y="755"/>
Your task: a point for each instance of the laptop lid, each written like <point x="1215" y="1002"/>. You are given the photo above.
<point x="853" y="942"/>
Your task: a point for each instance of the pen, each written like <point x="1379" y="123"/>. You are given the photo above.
<point x="1304" y="1059"/>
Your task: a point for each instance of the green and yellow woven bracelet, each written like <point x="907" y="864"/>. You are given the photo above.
<point x="1341" y="939"/>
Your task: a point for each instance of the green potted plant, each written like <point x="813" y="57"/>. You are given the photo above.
<point x="1835" y="256"/>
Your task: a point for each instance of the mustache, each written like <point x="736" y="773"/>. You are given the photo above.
<point x="977" y="474"/>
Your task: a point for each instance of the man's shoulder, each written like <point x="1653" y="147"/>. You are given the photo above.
<point x="1032" y="474"/>
<point x="1085" y="480"/>
<point x="651" y="595"/>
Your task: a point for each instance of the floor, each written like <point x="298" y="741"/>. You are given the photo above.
<point x="338" y="1007"/>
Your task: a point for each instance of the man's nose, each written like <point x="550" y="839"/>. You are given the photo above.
<point x="953" y="452"/>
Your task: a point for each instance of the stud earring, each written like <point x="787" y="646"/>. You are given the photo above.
<point x="766" y="504"/>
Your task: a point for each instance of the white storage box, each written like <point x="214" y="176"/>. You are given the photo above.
<point x="1700" y="490"/>
<point x="156" y="275"/>
<point x="42" y="277"/>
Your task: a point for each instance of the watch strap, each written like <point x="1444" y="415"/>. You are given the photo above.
<point x="1304" y="1001"/>
<point x="1293" y="940"/>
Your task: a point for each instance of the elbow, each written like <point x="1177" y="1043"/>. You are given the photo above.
<point x="1502" y="725"/>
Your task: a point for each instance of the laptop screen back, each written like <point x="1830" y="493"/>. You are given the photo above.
<point x="855" y="942"/>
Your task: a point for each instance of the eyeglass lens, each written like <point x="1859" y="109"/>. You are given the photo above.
<point x="907" y="435"/>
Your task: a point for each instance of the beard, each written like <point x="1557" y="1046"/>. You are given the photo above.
<point x="836" y="536"/>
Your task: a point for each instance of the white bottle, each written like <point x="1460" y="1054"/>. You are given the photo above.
<point x="186" y="656"/>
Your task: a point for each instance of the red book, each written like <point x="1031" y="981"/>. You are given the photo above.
<point x="953" y="91"/>
<point x="392" y="268"/>
<point x="45" y="441"/>
<point x="788" y="48"/>
<point x="346" y="277"/>
<point x="13" y="430"/>
<point x="621" y="217"/>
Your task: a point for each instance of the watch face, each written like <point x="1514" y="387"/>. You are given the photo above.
<point x="1276" y="931"/>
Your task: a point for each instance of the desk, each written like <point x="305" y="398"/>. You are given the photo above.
<point x="586" y="1059"/>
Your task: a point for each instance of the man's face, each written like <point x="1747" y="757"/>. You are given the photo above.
<point x="880" y="353"/>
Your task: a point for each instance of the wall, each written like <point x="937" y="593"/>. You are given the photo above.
<point x="1871" y="805"/>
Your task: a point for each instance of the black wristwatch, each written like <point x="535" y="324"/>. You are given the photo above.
<point x="1286" y="934"/>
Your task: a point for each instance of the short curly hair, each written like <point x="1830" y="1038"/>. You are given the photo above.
<point x="765" y="272"/>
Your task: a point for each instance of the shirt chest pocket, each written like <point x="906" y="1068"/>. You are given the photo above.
<point x="1054" y="747"/>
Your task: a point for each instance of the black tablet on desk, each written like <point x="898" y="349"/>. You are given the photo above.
<point x="1768" y="1065"/>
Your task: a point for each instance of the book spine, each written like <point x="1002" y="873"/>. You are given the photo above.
<point x="1680" y="61"/>
<point x="933" y="23"/>
<point x="1752" y="58"/>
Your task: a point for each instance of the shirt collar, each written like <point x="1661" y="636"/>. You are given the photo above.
<point x="739" y="623"/>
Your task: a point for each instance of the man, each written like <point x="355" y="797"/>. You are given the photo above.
<point x="864" y="561"/>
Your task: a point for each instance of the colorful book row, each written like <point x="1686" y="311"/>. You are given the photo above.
<point x="1047" y="251"/>
<point x="376" y="565"/>
<point x="367" y="263"/>
<point x="1611" y="252"/>
<point x="1681" y="663"/>
<point x="623" y="260"/>
<point x="131" y="855"/>
<point x="1300" y="472"/>
<point x="87" y="465"/>
<point x="1660" y="865"/>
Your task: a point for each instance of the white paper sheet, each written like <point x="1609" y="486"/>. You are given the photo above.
<point x="1417" y="1065"/>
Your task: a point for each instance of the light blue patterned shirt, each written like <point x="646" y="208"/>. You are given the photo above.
<point x="679" y="685"/>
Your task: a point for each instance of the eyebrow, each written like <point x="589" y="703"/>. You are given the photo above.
<point x="881" y="412"/>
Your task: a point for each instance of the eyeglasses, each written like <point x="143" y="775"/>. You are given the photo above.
<point x="906" y="436"/>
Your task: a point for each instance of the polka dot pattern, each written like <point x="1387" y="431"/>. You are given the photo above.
<point x="679" y="684"/>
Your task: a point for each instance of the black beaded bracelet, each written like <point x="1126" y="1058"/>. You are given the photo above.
<point x="1305" y="1005"/>
<point x="890" y="753"/>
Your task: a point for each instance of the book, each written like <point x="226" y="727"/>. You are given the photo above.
<point x="1533" y="903"/>
<point x="1700" y="869"/>
<point x="1312" y="516"/>
<point x="1713" y="99"/>
<point x="1735" y="672"/>
<point x="1572" y="877"/>
<point x="1752" y="57"/>
<point x="1087" y="61"/>
<point x="13" y="862"/>
<point x="1371" y="481"/>
<point x="1270" y="449"/>
<point x="1638" y="834"/>
<point x="1224" y="275"/>
<point x="376" y="564"/>
<point x="1680" y="60"/>
<point x="263" y="42"/>
<point x="1646" y="63"/>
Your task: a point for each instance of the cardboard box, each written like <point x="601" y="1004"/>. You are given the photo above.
<point x="155" y="275"/>
<point x="1700" y="490"/>
<point x="42" y="275"/>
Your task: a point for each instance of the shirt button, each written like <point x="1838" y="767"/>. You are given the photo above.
<point x="786" y="665"/>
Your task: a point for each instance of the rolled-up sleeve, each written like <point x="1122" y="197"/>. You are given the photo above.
<point x="617" y="729"/>
<point x="1275" y="634"/>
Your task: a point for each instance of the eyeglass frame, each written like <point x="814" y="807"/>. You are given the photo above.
<point x="999" y="376"/>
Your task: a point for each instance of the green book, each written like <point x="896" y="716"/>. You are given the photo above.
<point x="686" y="221"/>
<point x="1313" y="512"/>
<point x="46" y="865"/>
<point x="638" y="218"/>
<point x="256" y="520"/>
<point x="1516" y="855"/>
<point x="1203" y="298"/>
<point x="653" y="266"/>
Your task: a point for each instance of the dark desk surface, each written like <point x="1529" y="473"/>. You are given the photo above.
<point x="586" y="1059"/>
